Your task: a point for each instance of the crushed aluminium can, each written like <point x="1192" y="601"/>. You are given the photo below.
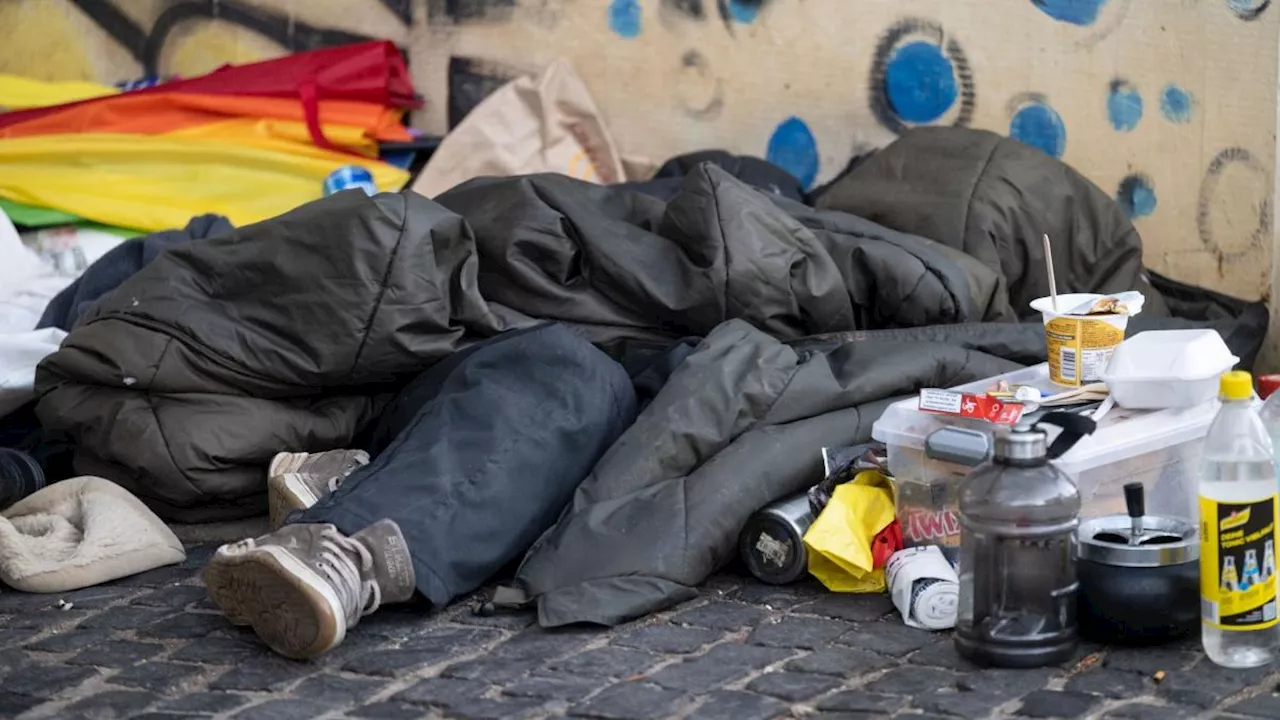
<point x="350" y="177"/>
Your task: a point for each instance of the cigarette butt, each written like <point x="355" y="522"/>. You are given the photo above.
<point x="1158" y="677"/>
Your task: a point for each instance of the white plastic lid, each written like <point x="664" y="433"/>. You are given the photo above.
<point x="1170" y="355"/>
<point x="1121" y="435"/>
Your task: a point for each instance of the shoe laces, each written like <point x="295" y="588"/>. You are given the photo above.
<point x="348" y="566"/>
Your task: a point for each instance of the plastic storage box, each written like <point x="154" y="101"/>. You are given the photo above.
<point x="1159" y="448"/>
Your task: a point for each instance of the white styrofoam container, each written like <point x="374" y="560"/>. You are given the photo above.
<point x="1168" y="369"/>
<point x="1159" y="448"/>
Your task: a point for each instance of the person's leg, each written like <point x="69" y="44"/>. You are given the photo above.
<point x="485" y="450"/>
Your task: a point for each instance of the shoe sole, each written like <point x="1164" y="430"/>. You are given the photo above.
<point x="285" y="494"/>
<point x="293" y="610"/>
<point x="286" y="462"/>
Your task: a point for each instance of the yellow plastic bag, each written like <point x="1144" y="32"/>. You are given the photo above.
<point x="21" y="93"/>
<point x="839" y="541"/>
<point x="156" y="182"/>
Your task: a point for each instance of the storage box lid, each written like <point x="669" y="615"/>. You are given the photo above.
<point x="1121" y="435"/>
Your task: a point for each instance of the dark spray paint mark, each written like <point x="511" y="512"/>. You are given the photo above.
<point x="1176" y="104"/>
<point x="1124" y="106"/>
<point x="1260" y="238"/>
<point x="624" y="18"/>
<point x="469" y="11"/>
<point x="1137" y="196"/>
<point x="693" y="9"/>
<point x="920" y="82"/>
<point x="1040" y="126"/>
<point x="918" y="71"/>
<point x="1076" y="12"/>
<point x="701" y="94"/>
<point x="470" y="82"/>
<point x="1248" y="10"/>
<point x="793" y="148"/>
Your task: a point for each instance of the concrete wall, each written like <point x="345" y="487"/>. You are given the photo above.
<point x="1168" y="104"/>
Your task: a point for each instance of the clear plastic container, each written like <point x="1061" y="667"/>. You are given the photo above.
<point x="1159" y="448"/>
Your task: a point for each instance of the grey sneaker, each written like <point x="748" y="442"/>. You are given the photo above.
<point x="303" y="586"/>
<point x="296" y="481"/>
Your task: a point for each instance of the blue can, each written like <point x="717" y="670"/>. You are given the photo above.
<point x="350" y="177"/>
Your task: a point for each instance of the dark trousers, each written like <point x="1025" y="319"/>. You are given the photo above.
<point x="481" y="453"/>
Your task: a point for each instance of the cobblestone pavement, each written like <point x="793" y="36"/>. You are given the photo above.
<point x="153" y="647"/>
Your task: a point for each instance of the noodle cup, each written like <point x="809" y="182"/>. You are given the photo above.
<point x="1079" y="346"/>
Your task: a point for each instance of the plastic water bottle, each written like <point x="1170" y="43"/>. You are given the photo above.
<point x="1239" y="504"/>
<point x="1270" y="412"/>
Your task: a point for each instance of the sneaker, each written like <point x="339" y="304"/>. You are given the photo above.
<point x="303" y="586"/>
<point x="296" y="481"/>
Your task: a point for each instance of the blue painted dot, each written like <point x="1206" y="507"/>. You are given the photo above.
<point x="920" y="82"/>
<point x="1136" y="196"/>
<point x="793" y="148"/>
<point x="1124" y="106"/>
<point x="1040" y="126"/>
<point x="1076" y="12"/>
<point x="1176" y="104"/>
<point x="624" y="18"/>
<point x="744" y="11"/>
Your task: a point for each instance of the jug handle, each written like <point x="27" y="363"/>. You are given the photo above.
<point x="1073" y="426"/>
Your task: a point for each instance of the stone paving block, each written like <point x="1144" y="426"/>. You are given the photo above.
<point x="969" y="705"/>
<point x="910" y="681"/>
<point x="840" y="662"/>
<point x="857" y="607"/>
<point x="441" y="692"/>
<point x="890" y="638"/>
<point x="158" y="577"/>
<point x="337" y="690"/>
<point x="490" y="709"/>
<point x="669" y="639"/>
<point x="720" y="615"/>
<point x="720" y="665"/>
<point x="941" y="654"/>
<point x="1147" y="660"/>
<point x="71" y="641"/>
<point x="543" y="644"/>
<point x="1111" y="683"/>
<point x="13" y="704"/>
<point x="780" y="597"/>
<point x="1204" y="684"/>
<point x="161" y="677"/>
<point x="283" y="710"/>
<point x="799" y="632"/>
<point x="503" y="618"/>
<point x="388" y="711"/>
<point x="263" y="674"/>
<point x="451" y="641"/>
<point x="90" y="598"/>
<point x="616" y="662"/>
<point x="1006" y="684"/>
<point x="220" y="651"/>
<point x="47" y="618"/>
<point x="792" y="686"/>
<point x="630" y="701"/>
<point x="393" y="663"/>
<point x="206" y="703"/>
<point x="496" y="670"/>
<point x="124" y="617"/>
<point x="1266" y="705"/>
<point x="16" y="636"/>
<point x="175" y="597"/>
<point x="737" y="705"/>
<point x="110" y="704"/>
<point x="45" y="681"/>
<point x="863" y="702"/>
<point x="185" y="626"/>
<point x="1057" y="704"/>
<point x="117" y="653"/>
<point x="1147" y="711"/>
<point x="558" y="686"/>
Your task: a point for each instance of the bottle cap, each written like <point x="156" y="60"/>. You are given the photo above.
<point x="1268" y="384"/>
<point x="1236" y="385"/>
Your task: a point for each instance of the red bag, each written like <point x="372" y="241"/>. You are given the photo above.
<point x="370" y="71"/>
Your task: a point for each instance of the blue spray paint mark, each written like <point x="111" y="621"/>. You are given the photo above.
<point x="1124" y="106"/>
<point x="624" y="18"/>
<point x="744" y="11"/>
<point x="920" y="82"/>
<point x="1040" y="126"/>
<point x="1176" y="104"/>
<point x="793" y="148"/>
<point x="1076" y="12"/>
<point x="1136" y="196"/>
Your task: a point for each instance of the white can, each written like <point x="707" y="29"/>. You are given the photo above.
<point x="924" y="587"/>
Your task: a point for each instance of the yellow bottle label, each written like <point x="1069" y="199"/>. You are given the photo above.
<point x="1238" y="563"/>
